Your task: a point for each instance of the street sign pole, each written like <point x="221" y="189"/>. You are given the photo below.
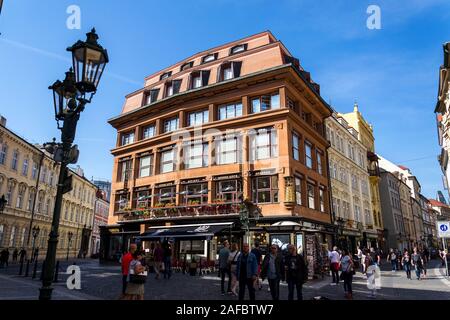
<point x="444" y="247"/>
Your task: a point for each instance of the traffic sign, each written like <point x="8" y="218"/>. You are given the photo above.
<point x="443" y="228"/>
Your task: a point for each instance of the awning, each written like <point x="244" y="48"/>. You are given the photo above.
<point x="198" y="231"/>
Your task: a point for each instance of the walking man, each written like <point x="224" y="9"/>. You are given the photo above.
<point x="272" y="269"/>
<point x="335" y="258"/>
<point x="167" y="251"/>
<point x="247" y="269"/>
<point x="22" y="254"/>
<point x="296" y="273"/>
<point x="15" y="255"/>
<point x="224" y="267"/>
<point x="392" y="258"/>
<point x="158" y="257"/>
<point x="126" y="259"/>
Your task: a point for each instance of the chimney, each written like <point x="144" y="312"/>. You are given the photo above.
<point x="2" y="121"/>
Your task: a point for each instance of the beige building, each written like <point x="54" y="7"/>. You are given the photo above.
<point x="28" y="178"/>
<point x="350" y="193"/>
<point x="365" y="135"/>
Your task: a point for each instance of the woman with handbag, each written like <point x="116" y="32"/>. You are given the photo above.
<point x="348" y="270"/>
<point x="137" y="276"/>
<point x="232" y="260"/>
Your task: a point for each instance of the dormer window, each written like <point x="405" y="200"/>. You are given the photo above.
<point x="165" y="75"/>
<point x="172" y="87"/>
<point x="229" y="70"/>
<point x="151" y="96"/>
<point x="238" y="48"/>
<point x="199" y="79"/>
<point x="209" y="57"/>
<point x="187" y="65"/>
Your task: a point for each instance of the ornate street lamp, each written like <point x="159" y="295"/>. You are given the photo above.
<point x="89" y="60"/>
<point x="70" y="98"/>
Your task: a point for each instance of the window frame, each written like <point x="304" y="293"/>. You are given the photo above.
<point x="308" y="158"/>
<point x="233" y="49"/>
<point x="170" y="120"/>
<point x="214" y="55"/>
<point x="149" y="167"/>
<point x="144" y="136"/>
<point x="188" y="157"/>
<point x="203" y="113"/>
<point x="229" y="106"/>
<point x="296" y="150"/>
<point x="261" y="102"/>
<point x="272" y="189"/>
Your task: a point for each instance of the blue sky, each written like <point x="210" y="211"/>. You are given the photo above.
<point x="392" y="72"/>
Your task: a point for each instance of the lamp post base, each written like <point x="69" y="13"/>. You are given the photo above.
<point x="45" y="293"/>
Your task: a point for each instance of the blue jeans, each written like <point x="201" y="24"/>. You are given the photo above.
<point x="167" y="267"/>
<point x="418" y="272"/>
<point x="394" y="265"/>
<point x="407" y="267"/>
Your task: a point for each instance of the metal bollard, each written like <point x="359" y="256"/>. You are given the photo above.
<point x="27" y="269"/>
<point x="56" y="272"/>
<point x="42" y="272"/>
<point x="21" y="267"/>
<point x="34" y="270"/>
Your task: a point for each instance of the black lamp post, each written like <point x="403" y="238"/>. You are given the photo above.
<point x="69" y="235"/>
<point x="70" y="97"/>
<point x="35" y="233"/>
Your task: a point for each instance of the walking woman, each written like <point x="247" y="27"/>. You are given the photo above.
<point x="406" y="263"/>
<point x="348" y="269"/>
<point x="136" y="278"/>
<point x="417" y="263"/>
<point x="232" y="259"/>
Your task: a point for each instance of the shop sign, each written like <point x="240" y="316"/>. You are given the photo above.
<point x="116" y="230"/>
<point x="228" y="177"/>
<point x="264" y="172"/>
<point x="198" y="180"/>
<point x="166" y="184"/>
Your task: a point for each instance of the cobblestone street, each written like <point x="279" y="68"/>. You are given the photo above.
<point x="104" y="282"/>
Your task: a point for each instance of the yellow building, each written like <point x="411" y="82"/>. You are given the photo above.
<point x="365" y="135"/>
<point x="28" y="178"/>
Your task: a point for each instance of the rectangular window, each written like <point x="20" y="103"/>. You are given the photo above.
<point x="295" y="146"/>
<point x="20" y="196"/>
<point x="148" y="132"/>
<point x="151" y="96"/>
<point x="322" y="199"/>
<point x="15" y="160"/>
<point x="354" y="182"/>
<point x="173" y="87"/>
<point x="265" y="189"/>
<point x="229" y="190"/>
<point x="230" y="111"/>
<point x="196" y="155"/>
<point x="264" y="144"/>
<point x="199" y="79"/>
<point x="127" y="138"/>
<point x="171" y="124"/>
<point x="298" y="190"/>
<point x="167" y="161"/>
<point x="25" y="167"/>
<point x="146" y="166"/>
<point x="198" y="118"/>
<point x="3" y="152"/>
<point x="30" y="200"/>
<point x="265" y="102"/>
<point x="230" y="70"/>
<point x="311" y="196"/>
<point x="308" y="155"/>
<point x="167" y="194"/>
<point x="34" y="171"/>
<point x="196" y="193"/>
<point x="226" y="150"/>
<point x="123" y="174"/>
<point x="319" y="162"/>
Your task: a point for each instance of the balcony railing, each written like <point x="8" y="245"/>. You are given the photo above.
<point x="189" y="210"/>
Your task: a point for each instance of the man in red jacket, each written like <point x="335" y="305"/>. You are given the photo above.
<point x="126" y="259"/>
